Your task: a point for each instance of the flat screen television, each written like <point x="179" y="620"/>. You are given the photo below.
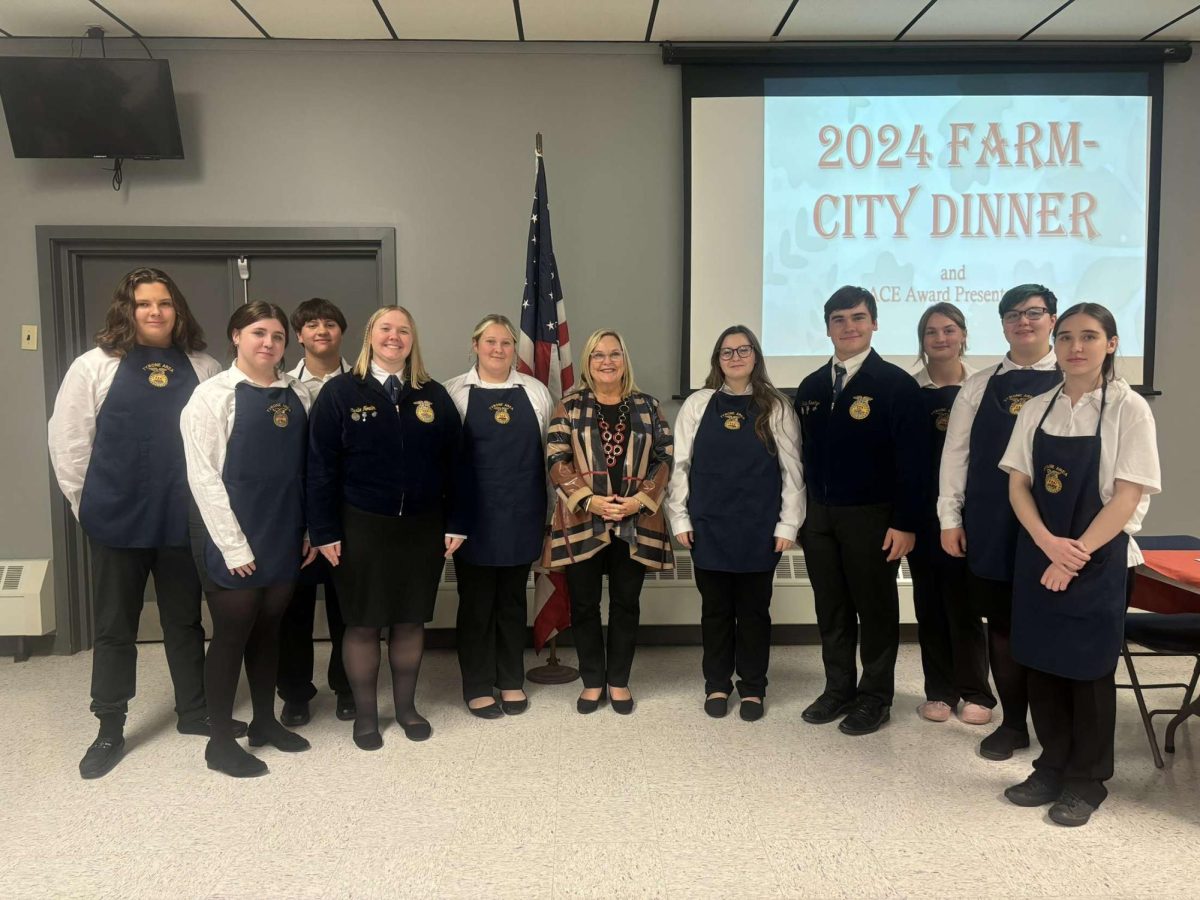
<point x="90" y="108"/>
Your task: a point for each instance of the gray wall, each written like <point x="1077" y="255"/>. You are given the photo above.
<point x="438" y="144"/>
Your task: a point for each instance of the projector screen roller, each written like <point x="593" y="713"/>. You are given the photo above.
<point x="920" y="188"/>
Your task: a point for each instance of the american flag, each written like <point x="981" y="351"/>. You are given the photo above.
<point x="545" y="353"/>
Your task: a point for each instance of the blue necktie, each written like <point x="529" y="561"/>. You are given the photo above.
<point x="393" y="388"/>
<point x="839" y="381"/>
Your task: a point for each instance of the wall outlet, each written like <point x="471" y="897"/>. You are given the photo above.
<point x="29" y="337"/>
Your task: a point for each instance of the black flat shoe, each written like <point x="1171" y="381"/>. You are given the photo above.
<point x="825" y="709"/>
<point x="621" y="707"/>
<point x="277" y="736"/>
<point x="417" y="731"/>
<point x="1038" y="789"/>
<point x="585" y="706"/>
<point x="346" y="708"/>
<point x="866" y="717"/>
<point x="491" y="711"/>
<point x="372" y="740"/>
<point x="1071" y="810"/>
<point x="751" y="711"/>
<point x="229" y="758"/>
<point x="102" y="757"/>
<point x="716" y="706"/>
<point x="295" y="714"/>
<point x="514" y="707"/>
<point x="200" y="727"/>
<point x="1001" y="743"/>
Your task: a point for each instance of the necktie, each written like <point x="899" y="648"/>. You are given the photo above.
<point x="393" y="388"/>
<point x="839" y="381"/>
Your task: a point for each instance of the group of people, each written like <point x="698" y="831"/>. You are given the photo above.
<point x="1014" y="493"/>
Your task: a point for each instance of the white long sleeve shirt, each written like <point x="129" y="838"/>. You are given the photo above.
<point x="952" y="477"/>
<point x="72" y="427"/>
<point x="206" y="424"/>
<point x="459" y="389"/>
<point x="786" y="429"/>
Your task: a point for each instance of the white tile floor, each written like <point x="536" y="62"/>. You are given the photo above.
<point x="664" y="803"/>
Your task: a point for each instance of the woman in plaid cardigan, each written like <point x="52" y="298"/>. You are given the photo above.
<point x="609" y="455"/>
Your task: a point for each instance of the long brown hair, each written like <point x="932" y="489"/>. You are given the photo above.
<point x="255" y="311"/>
<point x="951" y="312"/>
<point x="1108" y="371"/>
<point x="119" y="333"/>
<point x="764" y="395"/>
<point x="414" y="369"/>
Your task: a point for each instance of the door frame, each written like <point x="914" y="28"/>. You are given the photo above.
<point x="61" y="250"/>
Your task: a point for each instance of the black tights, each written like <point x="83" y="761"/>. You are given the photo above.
<point x="360" y="653"/>
<point x="245" y="625"/>
<point x="1012" y="678"/>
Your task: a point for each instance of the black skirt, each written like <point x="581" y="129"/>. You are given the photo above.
<point x="390" y="567"/>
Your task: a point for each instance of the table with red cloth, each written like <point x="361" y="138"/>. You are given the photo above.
<point x="1169" y="580"/>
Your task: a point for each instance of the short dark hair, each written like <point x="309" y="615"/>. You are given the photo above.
<point x="1014" y="297"/>
<point x="847" y="297"/>
<point x="317" y="308"/>
<point x="1107" y="321"/>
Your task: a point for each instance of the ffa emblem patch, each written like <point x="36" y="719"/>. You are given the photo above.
<point x="502" y="412"/>
<point x="941" y="419"/>
<point x="861" y="407"/>
<point x="733" y="420"/>
<point x="279" y="414"/>
<point x="1054" y="476"/>
<point x="424" y="411"/>
<point x="158" y="374"/>
<point x="1016" y="401"/>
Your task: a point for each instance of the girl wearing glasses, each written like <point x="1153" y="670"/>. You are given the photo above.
<point x="976" y="519"/>
<point x="736" y="500"/>
<point x="1082" y="464"/>
<point x="609" y="454"/>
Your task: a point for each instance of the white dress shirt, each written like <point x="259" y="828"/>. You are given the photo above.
<point x="786" y="429"/>
<point x="459" y="389"/>
<point x="1128" y="442"/>
<point x="315" y="382"/>
<point x="952" y="477"/>
<point x="206" y="424"/>
<point x="72" y="427"/>
<point x="851" y="365"/>
<point x="924" y="381"/>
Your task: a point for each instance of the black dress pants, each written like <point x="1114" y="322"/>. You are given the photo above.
<point x="1075" y="722"/>
<point x="295" y="680"/>
<point x="854" y="585"/>
<point x="735" y="625"/>
<point x="491" y="627"/>
<point x="954" y="656"/>
<point x="119" y="578"/>
<point x="625" y="577"/>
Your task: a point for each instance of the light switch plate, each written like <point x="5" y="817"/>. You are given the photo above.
<point x="29" y="337"/>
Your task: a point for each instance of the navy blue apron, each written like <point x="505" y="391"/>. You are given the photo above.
<point x="735" y="490"/>
<point x="135" y="493"/>
<point x="505" y="441"/>
<point x="264" y="478"/>
<point x="1075" y="633"/>
<point x="937" y="403"/>
<point x="988" y="518"/>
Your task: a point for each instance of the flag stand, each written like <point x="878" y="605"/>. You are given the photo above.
<point x="552" y="672"/>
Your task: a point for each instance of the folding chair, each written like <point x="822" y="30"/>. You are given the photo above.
<point x="1163" y="635"/>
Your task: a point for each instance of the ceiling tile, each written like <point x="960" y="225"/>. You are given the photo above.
<point x="54" y="18"/>
<point x="585" y="20"/>
<point x="452" y="20"/>
<point x="860" y="20"/>
<point x="975" y="19"/>
<point x="1186" y="29"/>
<point x="193" y="18"/>
<point x="717" y="20"/>
<point x="345" y="20"/>
<point x="1126" y="20"/>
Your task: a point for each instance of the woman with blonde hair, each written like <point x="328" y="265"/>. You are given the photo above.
<point x="505" y="414"/>
<point x="385" y="509"/>
<point x="609" y="453"/>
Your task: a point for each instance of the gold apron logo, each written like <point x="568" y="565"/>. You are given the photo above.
<point x="733" y="420"/>
<point x="279" y="413"/>
<point x="861" y="407"/>
<point x="1016" y="401"/>
<point x="158" y="374"/>
<point x="362" y="413"/>
<point x="1054" y="477"/>
<point x="941" y="419"/>
<point x="502" y="412"/>
<point x="424" y="411"/>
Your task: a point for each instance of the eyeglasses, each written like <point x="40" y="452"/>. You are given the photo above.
<point x="1033" y="314"/>
<point x="615" y="356"/>
<point x="728" y="353"/>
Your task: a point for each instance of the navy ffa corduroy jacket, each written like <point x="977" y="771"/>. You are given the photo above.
<point x="871" y="446"/>
<point x="384" y="459"/>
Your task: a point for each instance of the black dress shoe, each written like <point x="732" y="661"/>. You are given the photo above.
<point x="1038" y="789"/>
<point x="346" y="708"/>
<point x="200" y="727"/>
<point x="294" y="714"/>
<point x="1001" y="743"/>
<point x="865" y="718"/>
<point x="825" y="709"/>
<point x="716" y="706"/>
<point x="1071" y="810"/>
<point x="751" y="711"/>
<point x="417" y="731"/>
<point x="372" y="740"/>
<point x="514" y="707"/>
<point x="277" y="736"/>
<point x="101" y="757"/>
<point x="228" y="757"/>
<point x="491" y="711"/>
<point x="622" y="707"/>
<point x="589" y="706"/>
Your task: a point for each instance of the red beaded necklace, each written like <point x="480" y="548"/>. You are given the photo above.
<point x="613" y="436"/>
